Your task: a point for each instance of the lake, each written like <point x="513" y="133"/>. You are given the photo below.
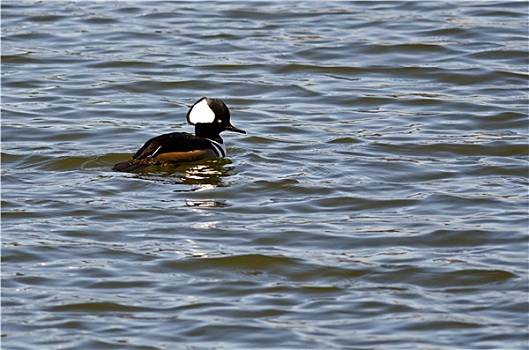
<point x="379" y="199"/>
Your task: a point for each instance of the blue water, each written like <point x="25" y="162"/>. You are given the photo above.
<point x="379" y="199"/>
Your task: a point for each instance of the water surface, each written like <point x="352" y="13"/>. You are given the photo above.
<point x="379" y="199"/>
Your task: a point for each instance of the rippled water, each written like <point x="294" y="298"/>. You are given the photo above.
<point x="379" y="199"/>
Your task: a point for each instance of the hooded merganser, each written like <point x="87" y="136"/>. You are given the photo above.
<point x="210" y="117"/>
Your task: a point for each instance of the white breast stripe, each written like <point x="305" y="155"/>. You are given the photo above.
<point x="219" y="148"/>
<point x="154" y="153"/>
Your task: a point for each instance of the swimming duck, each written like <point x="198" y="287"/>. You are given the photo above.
<point x="210" y="116"/>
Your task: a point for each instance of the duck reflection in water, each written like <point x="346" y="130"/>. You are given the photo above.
<point x="201" y="176"/>
<point x="207" y="175"/>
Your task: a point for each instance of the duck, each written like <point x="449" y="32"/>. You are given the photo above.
<point x="210" y="116"/>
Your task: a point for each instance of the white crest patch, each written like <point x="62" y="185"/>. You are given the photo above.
<point x="201" y="113"/>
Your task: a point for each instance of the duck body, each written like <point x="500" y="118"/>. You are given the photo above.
<point x="173" y="148"/>
<point x="210" y="117"/>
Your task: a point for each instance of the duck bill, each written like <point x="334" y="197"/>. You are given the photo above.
<point x="230" y="127"/>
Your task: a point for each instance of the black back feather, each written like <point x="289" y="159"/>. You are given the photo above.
<point x="172" y="142"/>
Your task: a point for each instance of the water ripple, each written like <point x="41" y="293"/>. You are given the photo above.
<point x="381" y="189"/>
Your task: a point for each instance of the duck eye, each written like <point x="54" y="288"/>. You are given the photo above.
<point x="219" y="121"/>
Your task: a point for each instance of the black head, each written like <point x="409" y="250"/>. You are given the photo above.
<point x="210" y="117"/>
